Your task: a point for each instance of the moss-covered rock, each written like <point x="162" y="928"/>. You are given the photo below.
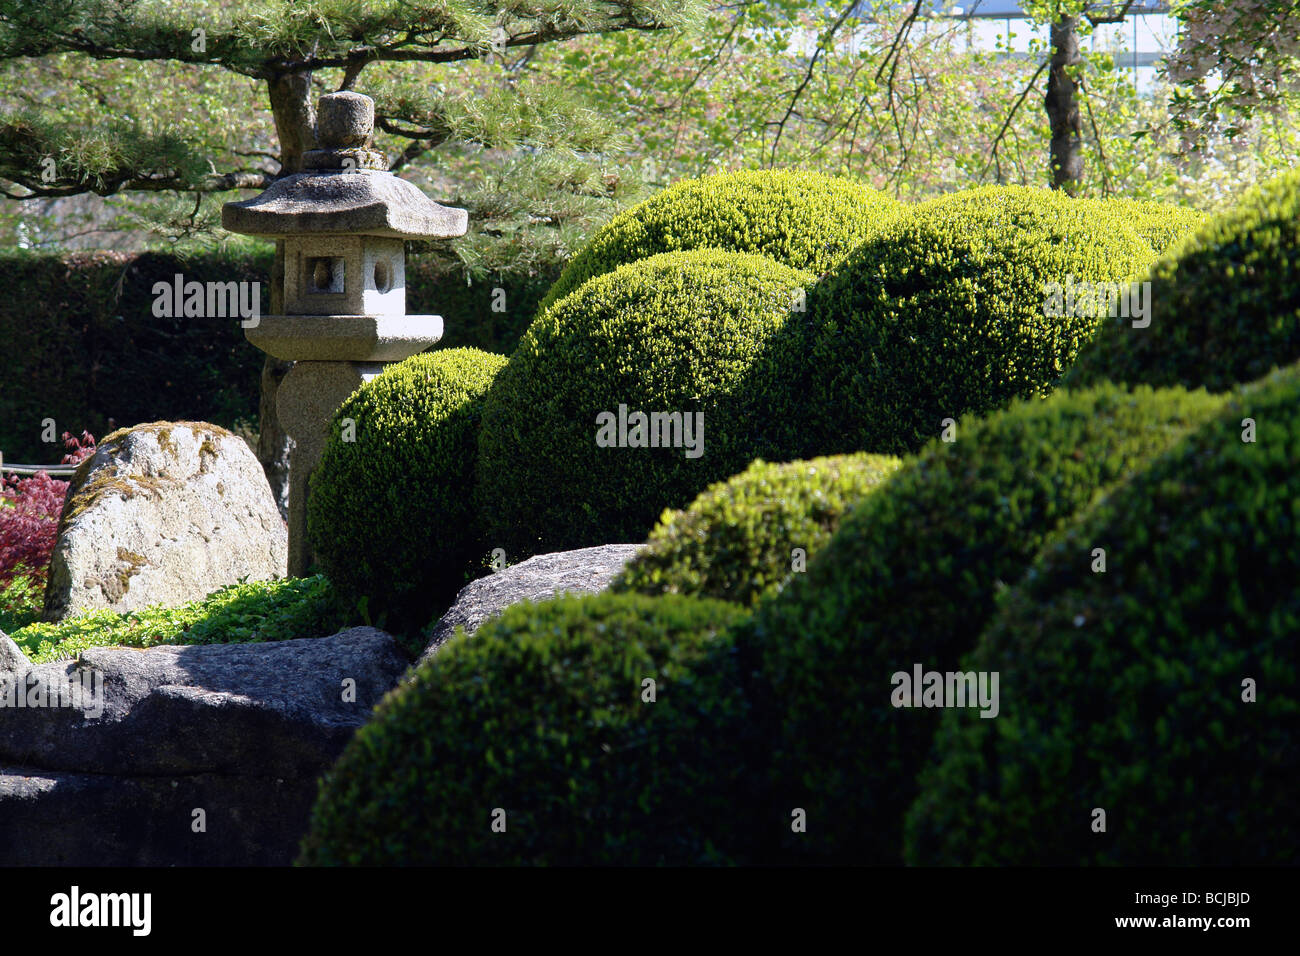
<point x="806" y="220"/>
<point x="536" y="741"/>
<point x="564" y="461"/>
<point x="946" y="311"/>
<point x="1225" y="303"/>
<point x="909" y="579"/>
<point x="390" y="515"/>
<point x="1162" y="691"/>
<point x="743" y="538"/>
<point x="162" y="513"/>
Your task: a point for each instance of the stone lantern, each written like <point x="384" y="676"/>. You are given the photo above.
<point x="344" y="221"/>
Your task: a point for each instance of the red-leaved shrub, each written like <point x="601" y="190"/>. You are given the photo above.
<point x="79" y="449"/>
<point x="29" y="516"/>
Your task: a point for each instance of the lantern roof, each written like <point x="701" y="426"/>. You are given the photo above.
<point x="344" y="189"/>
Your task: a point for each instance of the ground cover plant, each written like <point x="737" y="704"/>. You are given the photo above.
<point x="248" y="612"/>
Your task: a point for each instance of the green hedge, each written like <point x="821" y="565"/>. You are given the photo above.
<point x="1225" y="304"/>
<point x="944" y="312"/>
<point x="806" y="220"/>
<point x="1124" y="690"/>
<point x="742" y="539"/>
<point x="909" y="578"/>
<point x="81" y="344"/>
<point x="683" y="332"/>
<point x="543" y="714"/>
<point x="390" y="514"/>
<point x="240" y="613"/>
<point x="489" y="313"/>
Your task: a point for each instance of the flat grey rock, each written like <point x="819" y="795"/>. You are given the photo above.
<point x="584" y="571"/>
<point x="71" y="819"/>
<point x="12" y="657"/>
<point x="123" y="746"/>
<point x="275" y="709"/>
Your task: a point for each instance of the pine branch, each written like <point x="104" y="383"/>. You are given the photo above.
<point x="51" y="159"/>
<point x="276" y="37"/>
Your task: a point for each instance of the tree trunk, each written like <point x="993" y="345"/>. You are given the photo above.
<point x="1063" y="108"/>
<point x="295" y="122"/>
<point x="295" y="118"/>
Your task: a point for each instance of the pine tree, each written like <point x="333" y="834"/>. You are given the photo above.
<point x="87" y="107"/>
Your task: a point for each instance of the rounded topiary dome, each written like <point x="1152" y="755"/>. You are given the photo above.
<point x="542" y="724"/>
<point x="948" y="311"/>
<point x="563" y="462"/>
<point x="910" y="578"/>
<point x="1164" y="691"/>
<point x="803" y="219"/>
<point x="390" y="515"/>
<point x="1161" y="224"/>
<point x="743" y="538"/>
<point x="1225" y="303"/>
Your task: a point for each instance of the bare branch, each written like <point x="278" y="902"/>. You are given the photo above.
<point x="997" y="140"/>
<point x="812" y="63"/>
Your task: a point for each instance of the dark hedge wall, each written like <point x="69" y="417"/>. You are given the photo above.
<point x="79" y="342"/>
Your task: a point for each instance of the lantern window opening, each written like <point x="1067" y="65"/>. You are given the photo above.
<point x="324" y="275"/>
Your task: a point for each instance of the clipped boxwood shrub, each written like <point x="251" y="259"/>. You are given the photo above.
<point x="682" y="333"/>
<point x="742" y="539"/>
<point x="390" y="516"/>
<point x="945" y="312"/>
<point x="240" y="613"/>
<point x="1126" y="690"/>
<point x="806" y="220"/>
<point x="542" y="716"/>
<point x="1225" y="303"/>
<point x="909" y="579"/>
<point x="1161" y="224"/>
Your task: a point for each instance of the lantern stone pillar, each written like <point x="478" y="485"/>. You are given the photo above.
<point x="344" y="221"/>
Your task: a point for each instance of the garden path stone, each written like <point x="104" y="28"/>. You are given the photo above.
<point x="541" y="577"/>
<point x="164" y="513"/>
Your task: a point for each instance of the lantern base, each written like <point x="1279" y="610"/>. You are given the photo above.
<point x="345" y="338"/>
